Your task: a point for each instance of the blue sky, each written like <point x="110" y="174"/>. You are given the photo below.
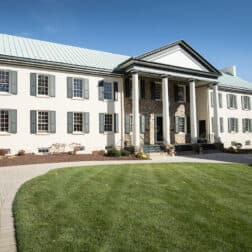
<point x="221" y="31"/>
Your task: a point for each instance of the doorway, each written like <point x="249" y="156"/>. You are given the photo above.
<point x="158" y="129"/>
<point x="202" y="128"/>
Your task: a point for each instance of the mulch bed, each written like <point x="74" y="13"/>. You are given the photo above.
<point x="55" y="158"/>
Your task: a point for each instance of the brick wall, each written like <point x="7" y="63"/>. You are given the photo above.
<point x="150" y="107"/>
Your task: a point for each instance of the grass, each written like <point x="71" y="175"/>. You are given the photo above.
<point x="154" y="207"/>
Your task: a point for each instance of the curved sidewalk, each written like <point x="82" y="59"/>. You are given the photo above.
<point x="12" y="177"/>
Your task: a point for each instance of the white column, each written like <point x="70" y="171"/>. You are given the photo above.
<point x="216" y="126"/>
<point x="166" y="115"/>
<point x="193" y="113"/>
<point x="135" y="108"/>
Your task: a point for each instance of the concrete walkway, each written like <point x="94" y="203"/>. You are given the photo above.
<point x="12" y="177"/>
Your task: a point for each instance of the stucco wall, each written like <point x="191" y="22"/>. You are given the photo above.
<point x="24" y="102"/>
<point x="239" y="113"/>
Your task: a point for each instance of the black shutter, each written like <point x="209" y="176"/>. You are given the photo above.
<point x="176" y="92"/>
<point x="115" y="91"/>
<point x="127" y="88"/>
<point x="188" y="126"/>
<point x="142" y="88"/>
<point x="187" y="94"/>
<point x="153" y="88"/>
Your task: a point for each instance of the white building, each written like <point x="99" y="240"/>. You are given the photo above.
<point x="52" y="93"/>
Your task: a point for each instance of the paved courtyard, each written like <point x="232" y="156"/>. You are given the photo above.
<point x="12" y="177"/>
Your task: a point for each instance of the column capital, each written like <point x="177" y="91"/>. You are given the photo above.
<point x="163" y="76"/>
<point x="192" y="80"/>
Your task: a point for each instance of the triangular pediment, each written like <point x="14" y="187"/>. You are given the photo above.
<point x="178" y="54"/>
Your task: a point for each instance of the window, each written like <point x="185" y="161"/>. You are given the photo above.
<point x="4" y="121"/>
<point x="231" y="101"/>
<point x="181" y="93"/>
<point x="77" y="88"/>
<point x="221" y="125"/>
<point x="233" y="125"/>
<point x="43" y="85"/>
<point x="247" y="125"/>
<point x="108" y="123"/>
<point x="107" y="91"/>
<point x="43" y="121"/>
<point x="4" y="81"/>
<point x="78" y="122"/>
<point x="246" y="102"/>
<point x="158" y="91"/>
<point x="44" y="150"/>
<point x="180" y="124"/>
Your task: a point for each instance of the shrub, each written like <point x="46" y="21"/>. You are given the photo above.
<point x="130" y="149"/>
<point x="4" y="152"/>
<point x="125" y="153"/>
<point x="113" y="153"/>
<point x="21" y="153"/>
<point x="142" y="155"/>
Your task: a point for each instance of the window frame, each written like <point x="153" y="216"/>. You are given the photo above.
<point x="247" y="122"/>
<point x="8" y="119"/>
<point x="73" y="89"/>
<point x="37" y="85"/>
<point x="48" y="122"/>
<point x="235" y="103"/>
<point x="8" y="84"/>
<point x="185" y="124"/>
<point x="112" y="123"/>
<point x="184" y="93"/>
<point x="112" y="90"/>
<point x="243" y="97"/>
<point x="235" y="130"/>
<point x="77" y="131"/>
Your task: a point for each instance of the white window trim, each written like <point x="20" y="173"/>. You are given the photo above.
<point x="249" y="100"/>
<point x="40" y="95"/>
<point x="42" y="132"/>
<point x="246" y="131"/>
<point x="233" y="108"/>
<point x="184" y="87"/>
<point x="6" y="92"/>
<point x="112" y="90"/>
<point x="109" y="132"/>
<point x="77" y="132"/>
<point x="232" y="131"/>
<point x="77" y="97"/>
<point x="185" y="126"/>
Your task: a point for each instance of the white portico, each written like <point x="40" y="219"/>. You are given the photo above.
<point x="155" y="65"/>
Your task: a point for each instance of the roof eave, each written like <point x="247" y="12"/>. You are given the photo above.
<point x="136" y="62"/>
<point x="55" y="65"/>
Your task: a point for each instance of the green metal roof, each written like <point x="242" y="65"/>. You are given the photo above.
<point x="227" y="80"/>
<point x="32" y="49"/>
<point x="20" y="47"/>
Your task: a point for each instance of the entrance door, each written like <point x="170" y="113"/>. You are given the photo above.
<point x="202" y="128"/>
<point x="158" y="129"/>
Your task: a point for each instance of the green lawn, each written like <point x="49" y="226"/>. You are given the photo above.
<point x="157" y="207"/>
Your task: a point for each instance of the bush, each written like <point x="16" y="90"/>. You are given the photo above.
<point x="21" y="153"/>
<point x="4" y="152"/>
<point x="130" y="149"/>
<point x="125" y="153"/>
<point x="113" y="153"/>
<point x="142" y="155"/>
